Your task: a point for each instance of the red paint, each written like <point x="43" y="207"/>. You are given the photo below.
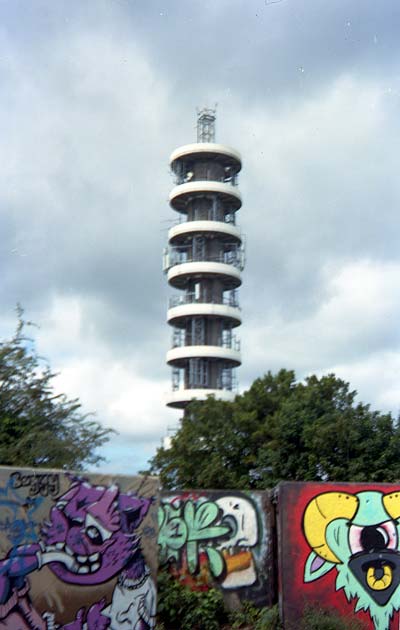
<point x="294" y="550"/>
<point x="202" y="581"/>
<point x="186" y="496"/>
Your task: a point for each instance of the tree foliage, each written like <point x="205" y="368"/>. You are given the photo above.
<point x="39" y="427"/>
<point x="281" y="429"/>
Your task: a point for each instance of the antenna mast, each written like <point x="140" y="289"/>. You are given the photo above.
<point x="206" y="124"/>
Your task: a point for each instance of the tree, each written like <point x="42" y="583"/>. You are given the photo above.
<point x="37" y="426"/>
<point x="281" y="429"/>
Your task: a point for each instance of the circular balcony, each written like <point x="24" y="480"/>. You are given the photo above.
<point x="181" y="397"/>
<point x="179" y="274"/>
<point x="180" y="195"/>
<point x="208" y="151"/>
<point x="224" y="231"/>
<point x="180" y="355"/>
<point x="178" y="314"/>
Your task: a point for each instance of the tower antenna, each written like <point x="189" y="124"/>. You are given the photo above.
<point x="206" y="124"/>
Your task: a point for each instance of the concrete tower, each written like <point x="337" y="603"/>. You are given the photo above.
<point x="204" y="260"/>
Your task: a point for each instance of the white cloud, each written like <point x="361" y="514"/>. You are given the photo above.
<point x="129" y="403"/>
<point x="375" y="378"/>
<point x="126" y="400"/>
<point x="355" y="325"/>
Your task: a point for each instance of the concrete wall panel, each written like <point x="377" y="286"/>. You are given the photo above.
<point x="339" y="548"/>
<point x="219" y="538"/>
<point x="77" y="552"/>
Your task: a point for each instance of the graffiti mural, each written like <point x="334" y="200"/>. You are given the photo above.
<point x="217" y="538"/>
<point x="341" y="546"/>
<point x="77" y="553"/>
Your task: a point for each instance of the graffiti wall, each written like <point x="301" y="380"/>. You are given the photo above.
<point x="223" y="538"/>
<point x="339" y="547"/>
<point x="77" y="552"/>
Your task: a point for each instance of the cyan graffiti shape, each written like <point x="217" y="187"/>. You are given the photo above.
<point x="359" y="536"/>
<point x="186" y="526"/>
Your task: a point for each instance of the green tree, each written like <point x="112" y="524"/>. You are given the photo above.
<point x="281" y="429"/>
<point x="39" y="427"/>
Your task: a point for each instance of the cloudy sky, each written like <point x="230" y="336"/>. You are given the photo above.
<point x="95" y="94"/>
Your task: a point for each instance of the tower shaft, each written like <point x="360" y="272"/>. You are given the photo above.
<point x="204" y="260"/>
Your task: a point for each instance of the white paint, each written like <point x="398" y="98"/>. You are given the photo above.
<point x="179" y="398"/>
<point x="207" y="148"/>
<point x="205" y="226"/>
<point x="132" y="604"/>
<point x="231" y="273"/>
<point x="212" y="310"/>
<point x="244" y="514"/>
<point x="203" y="186"/>
<point x="181" y="354"/>
<point x="242" y="511"/>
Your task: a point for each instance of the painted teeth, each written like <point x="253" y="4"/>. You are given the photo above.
<point x="82" y="559"/>
<point x="84" y="569"/>
<point x="87" y="564"/>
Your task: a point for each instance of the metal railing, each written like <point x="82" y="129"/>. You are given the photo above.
<point x="226" y="380"/>
<point x="192" y="298"/>
<point x="173" y="257"/>
<point x="232" y="344"/>
<point x="179" y="385"/>
<point x="182" y="340"/>
<point x="208" y="215"/>
<point x="189" y="177"/>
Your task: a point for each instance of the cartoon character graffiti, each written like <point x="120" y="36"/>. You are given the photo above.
<point x="358" y="534"/>
<point x="89" y="539"/>
<point x="209" y="539"/>
<point x="240" y="515"/>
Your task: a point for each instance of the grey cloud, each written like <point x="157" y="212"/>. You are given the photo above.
<point x="97" y="98"/>
<point x="265" y="52"/>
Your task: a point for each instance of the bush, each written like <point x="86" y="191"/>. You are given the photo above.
<point x="319" y="619"/>
<point x="184" y="609"/>
<point x="180" y="608"/>
<point x="268" y="619"/>
<point x="253" y="618"/>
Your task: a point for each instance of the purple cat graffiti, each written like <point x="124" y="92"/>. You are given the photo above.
<point x="89" y="539"/>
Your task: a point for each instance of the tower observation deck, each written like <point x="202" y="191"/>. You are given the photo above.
<point x="203" y="261"/>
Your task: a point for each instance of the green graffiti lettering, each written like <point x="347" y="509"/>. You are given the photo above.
<point x="191" y="528"/>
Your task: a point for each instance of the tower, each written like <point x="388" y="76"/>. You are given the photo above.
<point x="204" y="260"/>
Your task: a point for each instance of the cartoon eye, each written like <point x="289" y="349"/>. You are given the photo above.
<point x="94" y="535"/>
<point x="373" y="537"/>
<point x="95" y="531"/>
